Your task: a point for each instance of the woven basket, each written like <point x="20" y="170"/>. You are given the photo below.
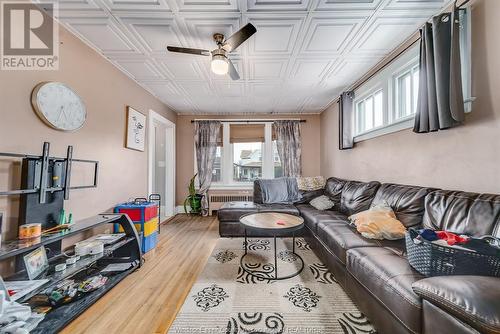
<point x="430" y="259"/>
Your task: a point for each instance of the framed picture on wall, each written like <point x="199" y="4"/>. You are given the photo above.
<point x="136" y="129"/>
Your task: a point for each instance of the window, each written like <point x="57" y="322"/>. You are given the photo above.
<point x="388" y="102"/>
<point x="247" y="161"/>
<point x="369" y="112"/>
<point x="247" y="152"/>
<point x="278" y="168"/>
<point x="217" y="171"/>
<point x="406" y="93"/>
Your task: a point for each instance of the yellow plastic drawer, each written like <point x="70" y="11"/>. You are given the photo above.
<point x="149" y="228"/>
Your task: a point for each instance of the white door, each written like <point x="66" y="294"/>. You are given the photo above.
<point x="162" y="162"/>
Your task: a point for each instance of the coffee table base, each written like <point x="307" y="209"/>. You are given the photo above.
<point x="276" y="277"/>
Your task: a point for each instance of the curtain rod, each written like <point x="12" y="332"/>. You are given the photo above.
<point x="248" y="121"/>
<point x="393" y="58"/>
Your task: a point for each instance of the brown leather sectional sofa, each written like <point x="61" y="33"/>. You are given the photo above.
<point x="376" y="274"/>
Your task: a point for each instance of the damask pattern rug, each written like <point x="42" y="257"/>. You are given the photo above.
<point x="226" y="299"/>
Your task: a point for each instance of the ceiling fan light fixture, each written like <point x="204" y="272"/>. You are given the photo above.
<point x="219" y="65"/>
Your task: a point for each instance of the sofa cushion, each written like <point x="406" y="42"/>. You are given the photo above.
<point x="464" y="213"/>
<point x="276" y="207"/>
<point x="473" y="299"/>
<point x="357" y="196"/>
<point x="314" y="217"/>
<point x="389" y="278"/>
<point x="333" y="189"/>
<point x="232" y="211"/>
<point x="407" y="202"/>
<point x="339" y="238"/>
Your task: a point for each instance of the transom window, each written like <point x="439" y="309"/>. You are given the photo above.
<point x="369" y="112"/>
<point x="406" y="93"/>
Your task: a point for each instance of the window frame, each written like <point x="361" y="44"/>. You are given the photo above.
<point x="370" y="94"/>
<point x="227" y="155"/>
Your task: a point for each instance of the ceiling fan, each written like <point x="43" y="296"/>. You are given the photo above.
<point x="220" y="63"/>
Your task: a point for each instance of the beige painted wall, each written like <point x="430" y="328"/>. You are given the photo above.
<point x="185" y="147"/>
<point x="106" y="92"/>
<point x="464" y="158"/>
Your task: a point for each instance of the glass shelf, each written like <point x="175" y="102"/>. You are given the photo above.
<point x="15" y="247"/>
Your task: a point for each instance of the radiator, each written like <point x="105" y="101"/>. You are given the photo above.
<point x="218" y="197"/>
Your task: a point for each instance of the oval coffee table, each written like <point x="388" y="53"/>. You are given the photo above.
<point x="272" y="222"/>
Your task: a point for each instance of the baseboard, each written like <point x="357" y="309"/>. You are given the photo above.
<point x="180" y="209"/>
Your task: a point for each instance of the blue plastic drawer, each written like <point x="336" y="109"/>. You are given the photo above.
<point x="149" y="242"/>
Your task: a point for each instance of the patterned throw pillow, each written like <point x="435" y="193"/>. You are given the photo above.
<point x="310" y="183"/>
<point x="322" y="203"/>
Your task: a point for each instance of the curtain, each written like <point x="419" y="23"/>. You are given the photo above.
<point x="346" y="110"/>
<point x="207" y="135"/>
<point x="440" y="103"/>
<point x="289" y="146"/>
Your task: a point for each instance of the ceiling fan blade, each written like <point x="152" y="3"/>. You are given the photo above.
<point x="233" y="73"/>
<point x="199" y="52"/>
<point x="239" y="37"/>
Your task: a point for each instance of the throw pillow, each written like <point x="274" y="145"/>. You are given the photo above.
<point x="379" y="222"/>
<point x="322" y="203"/>
<point x="309" y="183"/>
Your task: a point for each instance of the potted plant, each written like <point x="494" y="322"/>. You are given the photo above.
<point x="193" y="199"/>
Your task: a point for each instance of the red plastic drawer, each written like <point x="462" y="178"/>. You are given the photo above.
<point x="133" y="214"/>
<point x="150" y="212"/>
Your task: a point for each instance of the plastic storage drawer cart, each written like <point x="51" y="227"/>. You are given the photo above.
<point x="145" y="218"/>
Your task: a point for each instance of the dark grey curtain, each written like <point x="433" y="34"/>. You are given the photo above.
<point x="346" y="110"/>
<point x="207" y="135"/>
<point x="440" y="103"/>
<point x="289" y="146"/>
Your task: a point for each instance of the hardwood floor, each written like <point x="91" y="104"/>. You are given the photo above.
<point x="148" y="300"/>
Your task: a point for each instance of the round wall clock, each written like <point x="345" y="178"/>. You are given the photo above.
<point x="58" y="106"/>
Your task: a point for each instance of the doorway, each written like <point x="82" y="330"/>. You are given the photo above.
<point x="161" y="166"/>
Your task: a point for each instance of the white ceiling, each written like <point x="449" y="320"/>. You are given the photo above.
<point x="302" y="56"/>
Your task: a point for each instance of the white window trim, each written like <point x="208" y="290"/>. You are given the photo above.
<point x="227" y="181"/>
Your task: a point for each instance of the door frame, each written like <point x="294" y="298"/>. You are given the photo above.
<point x="169" y="201"/>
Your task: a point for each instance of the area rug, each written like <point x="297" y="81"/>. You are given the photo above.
<point x="226" y="299"/>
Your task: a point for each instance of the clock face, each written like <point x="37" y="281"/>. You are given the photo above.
<point x="58" y="106"/>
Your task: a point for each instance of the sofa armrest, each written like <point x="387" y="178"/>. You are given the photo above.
<point x="472" y="299"/>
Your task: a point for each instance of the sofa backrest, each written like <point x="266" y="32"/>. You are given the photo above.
<point x="333" y="189"/>
<point x="461" y="212"/>
<point x="357" y="196"/>
<point x="308" y="195"/>
<point x="408" y="202"/>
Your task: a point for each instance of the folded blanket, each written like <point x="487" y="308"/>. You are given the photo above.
<point x="281" y="190"/>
